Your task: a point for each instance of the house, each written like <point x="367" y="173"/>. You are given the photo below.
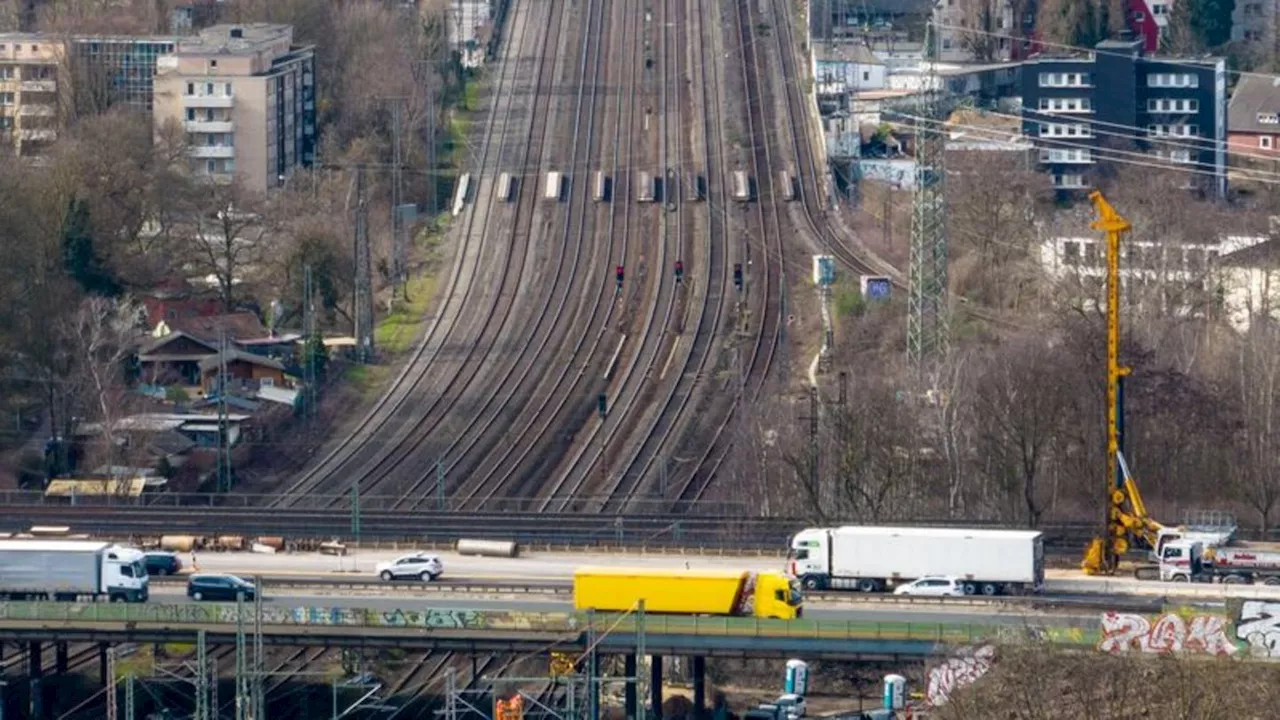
<point x="847" y="67"/>
<point x="235" y="327"/>
<point x="1253" y="23"/>
<point x="243" y="370"/>
<point x="1251" y="283"/>
<point x="833" y="19"/>
<point x="1076" y="106"/>
<point x="175" y="299"/>
<point x="1147" y="19"/>
<point x="174" y="359"/>
<point x="1253" y="117"/>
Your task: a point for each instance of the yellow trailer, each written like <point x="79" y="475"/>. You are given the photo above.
<point x="687" y="592"/>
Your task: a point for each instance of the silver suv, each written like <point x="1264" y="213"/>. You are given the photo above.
<point x="422" y="566"/>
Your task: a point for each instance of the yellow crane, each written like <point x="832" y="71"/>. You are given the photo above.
<point x="1126" y="515"/>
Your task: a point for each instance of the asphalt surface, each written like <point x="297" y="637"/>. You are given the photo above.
<point x="925" y="614"/>
<point x="545" y="567"/>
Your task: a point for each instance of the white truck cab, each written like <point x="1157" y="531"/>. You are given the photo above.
<point x="124" y="575"/>
<point x="809" y="555"/>
<point x="1181" y="560"/>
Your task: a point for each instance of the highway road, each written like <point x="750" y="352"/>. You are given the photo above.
<point x="552" y="566"/>
<point x="816" y="611"/>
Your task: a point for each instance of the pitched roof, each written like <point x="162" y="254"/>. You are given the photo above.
<point x="150" y="347"/>
<point x="211" y="363"/>
<point x="1265" y="254"/>
<point x="237" y="326"/>
<point x="1255" y="98"/>
<point x="851" y="52"/>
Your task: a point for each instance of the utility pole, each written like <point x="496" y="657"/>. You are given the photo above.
<point x="399" y="253"/>
<point x="242" y="671"/>
<point x="309" y="337"/>
<point x="113" y="709"/>
<point x="812" y="419"/>
<point x="224" y="430"/>
<point x="928" y="327"/>
<point x="432" y="186"/>
<point x="259" y="657"/>
<point x="202" y="677"/>
<point x="364" y="277"/>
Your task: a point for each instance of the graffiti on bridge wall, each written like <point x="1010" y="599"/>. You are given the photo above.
<point x="1256" y="632"/>
<point x="1169" y="633"/>
<point x="965" y="668"/>
<point x="1259" y="628"/>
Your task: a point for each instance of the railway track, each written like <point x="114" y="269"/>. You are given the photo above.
<point x="382" y="443"/>
<point x="546" y="529"/>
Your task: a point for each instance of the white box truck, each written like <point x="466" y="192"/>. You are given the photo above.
<point x="875" y="559"/>
<point x="71" y="570"/>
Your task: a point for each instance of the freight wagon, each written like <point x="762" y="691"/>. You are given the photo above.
<point x="505" y="187"/>
<point x="555" y="182"/>
<point x="599" y="186"/>
<point x="460" y="193"/>
<point x="644" y="188"/>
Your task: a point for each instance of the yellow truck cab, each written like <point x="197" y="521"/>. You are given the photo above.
<point x="688" y="592"/>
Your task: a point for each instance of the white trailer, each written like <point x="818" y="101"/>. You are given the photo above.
<point x="599" y="186"/>
<point x="644" y="188"/>
<point x="71" y="570"/>
<point x="554" y="181"/>
<point x="741" y="186"/>
<point x="505" y="186"/>
<point x="1242" y="563"/>
<point x="874" y="559"/>
<point x="460" y="193"/>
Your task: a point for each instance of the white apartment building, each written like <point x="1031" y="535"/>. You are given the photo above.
<point x="245" y="97"/>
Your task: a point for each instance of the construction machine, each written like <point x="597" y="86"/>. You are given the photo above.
<point x="1126" y="517"/>
<point x="1126" y="521"/>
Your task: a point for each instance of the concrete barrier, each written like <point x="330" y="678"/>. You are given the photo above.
<point x="488" y="548"/>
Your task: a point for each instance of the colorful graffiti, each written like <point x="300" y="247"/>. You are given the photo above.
<point x="1169" y="633"/>
<point x="963" y="669"/>
<point x="1259" y="628"/>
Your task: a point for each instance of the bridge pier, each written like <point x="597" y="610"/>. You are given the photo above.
<point x="699" y="685"/>
<point x="103" y="668"/>
<point x="630" y="695"/>
<point x="655" y="685"/>
<point x="35" y="671"/>
<point x="60" y="664"/>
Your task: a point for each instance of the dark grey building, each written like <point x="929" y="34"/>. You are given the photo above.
<point x="1083" y="111"/>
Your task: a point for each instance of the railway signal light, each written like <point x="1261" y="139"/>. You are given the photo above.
<point x="602" y="404"/>
<point x="737" y="276"/>
<point x="620" y="274"/>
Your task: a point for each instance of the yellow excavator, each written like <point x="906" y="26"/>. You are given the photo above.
<point x="1126" y="517"/>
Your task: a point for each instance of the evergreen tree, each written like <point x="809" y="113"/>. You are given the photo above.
<point x="79" y="256"/>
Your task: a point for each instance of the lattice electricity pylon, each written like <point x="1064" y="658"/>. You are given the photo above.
<point x="928" y="324"/>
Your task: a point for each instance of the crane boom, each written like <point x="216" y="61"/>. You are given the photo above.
<point x="1126" y="515"/>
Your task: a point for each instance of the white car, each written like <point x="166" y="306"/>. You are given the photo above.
<point x="932" y="587"/>
<point x="421" y="566"/>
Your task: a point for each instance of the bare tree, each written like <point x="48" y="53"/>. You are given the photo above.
<point x="102" y="333"/>
<point x="1257" y="385"/>
<point x="984" y="34"/>
<point x="1020" y="405"/>
<point x="226" y="235"/>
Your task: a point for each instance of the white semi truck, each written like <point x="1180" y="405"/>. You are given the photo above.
<point x="71" y="570"/>
<point x="1239" y="563"/>
<point x="875" y="559"/>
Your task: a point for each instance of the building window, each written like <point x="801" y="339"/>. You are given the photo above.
<point x="191" y="113"/>
<point x="1184" y="80"/>
<point x="1264" y="142"/>
<point x="1182" y="157"/>
<point x="1070" y="248"/>
<point x="226" y="90"/>
<point x="1066" y="104"/>
<point x="191" y="89"/>
<point x="208" y="89"/>
<point x="210" y="166"/>
<point x="6" y="98"/>
<point x="946" y="43"/>
<point x="1065" y="79"/>
<point x="6" y="73"/>
<point x="1079" y="130"/>
<point x="1173" y="130"/>
<point x="6" y="123"/>
<point x="1268" y="119"/>
<point x="866" y="76"/>
<point x="1172" y="105"/>
<point x="1067" y="156"/>
<point x="1070" y="181"/>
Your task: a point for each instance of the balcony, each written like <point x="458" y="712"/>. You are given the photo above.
<point x="37" y="135"/>
<point x="33" y="110"/>
<point x="40" y="86"/>
<point x="213" y="151"/>
<point x="209" y="126"/>
<point x="208" y="101"/>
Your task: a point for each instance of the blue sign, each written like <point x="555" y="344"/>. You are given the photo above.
<point x="876" y="288"/>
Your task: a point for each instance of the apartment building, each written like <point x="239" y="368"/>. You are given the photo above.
<point x="1112" y="103"/>
<point x="245" y="96"/>
<point x="30" y="101"/>
<point x="1253" y="22"/>
<point x="118" y="69"/>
